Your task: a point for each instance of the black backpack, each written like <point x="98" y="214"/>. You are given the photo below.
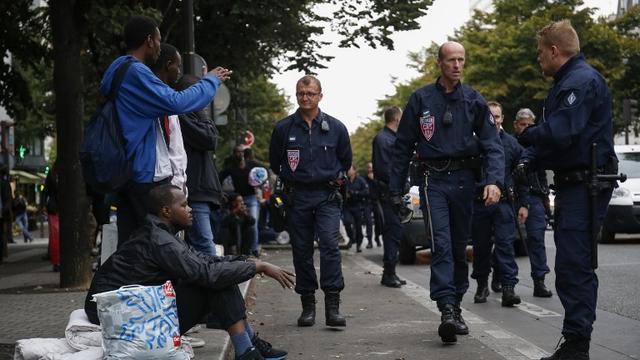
<point x="105" y="166"/>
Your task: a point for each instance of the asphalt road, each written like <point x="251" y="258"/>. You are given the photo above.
<point x="539" y="321"/>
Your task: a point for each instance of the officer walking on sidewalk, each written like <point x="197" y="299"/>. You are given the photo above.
<point x="499" y="221"/>
<point x="576" y="115"/>
<point x="439" y="123"/>
<point x="536" y="224"/>
<point x="311" y="153"/>
<point x="354" y="207"/>
<point x="382" y="154"/>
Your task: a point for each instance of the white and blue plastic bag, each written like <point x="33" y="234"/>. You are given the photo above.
<point x="140" y="322"/>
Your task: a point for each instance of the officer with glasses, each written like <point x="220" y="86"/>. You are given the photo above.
<point x="450" y="128"/>
<point x="310" y="151"/>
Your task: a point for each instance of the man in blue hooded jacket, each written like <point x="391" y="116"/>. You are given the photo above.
<point x="142" y="99"/>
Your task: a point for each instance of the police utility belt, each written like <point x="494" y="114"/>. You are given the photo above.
<point x="450" y="164"/>
<point x="563" y="178"/>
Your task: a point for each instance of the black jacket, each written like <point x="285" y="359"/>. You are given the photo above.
<point x="154" y="255"/>
<point x="200" y="136"/>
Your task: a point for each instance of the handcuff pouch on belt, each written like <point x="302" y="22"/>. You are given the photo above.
<point x="281" y="200"/>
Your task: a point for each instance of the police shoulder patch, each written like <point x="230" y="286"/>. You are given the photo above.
<point x="571" y="98"/>
<point x="491" y="119"/>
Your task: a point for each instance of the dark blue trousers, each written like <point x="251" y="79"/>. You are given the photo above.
<point x="450" y="198"/>
<point x="536" y="226"/>
<point x="353" y="221"/>
<point x="498" y="221"/>
<point x="311" y="216"/>
<point x="391" y="234"/>
<point x="576" y="281"/>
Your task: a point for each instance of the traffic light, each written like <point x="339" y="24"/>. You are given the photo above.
<point x="22" y="152"/>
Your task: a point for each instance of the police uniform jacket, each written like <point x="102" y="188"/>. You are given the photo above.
<point x="357" y="192"/>
<point x="423" y="128"/>
<point x="300" y="154"/>
<point x="382" y="148"/>
<point x="512" y="153"/>
<point x="577" y="113"/>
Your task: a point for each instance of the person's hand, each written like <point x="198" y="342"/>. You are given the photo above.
<point x="523" y="214"/>
<point x="284" y="277"/>
<point x="526" y="136"/>
<point x="491" y="195"/>
<point x="221" y="73"/>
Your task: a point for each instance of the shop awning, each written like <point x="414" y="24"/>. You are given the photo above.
<point x="27" y="177"/>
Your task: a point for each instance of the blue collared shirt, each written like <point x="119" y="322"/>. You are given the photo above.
<point x="310" y="155"/>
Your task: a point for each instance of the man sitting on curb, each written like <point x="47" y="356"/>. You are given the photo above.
<point x="205" y="286"/>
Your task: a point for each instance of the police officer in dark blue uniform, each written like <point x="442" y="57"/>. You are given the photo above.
<point x="355" y="206"/>
<point x="311" y="152"/>
<point x="382" y="153"/>
<point x="373" y="213"/>
<point x="439" y="123"/>
<point x="577" y="114"/>
<point x="499" y="221"/>
<point x="536" y="223"/>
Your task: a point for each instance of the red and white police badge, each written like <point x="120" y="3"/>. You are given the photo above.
<point x="293" y="157"/>
<point x="427" y="125"/>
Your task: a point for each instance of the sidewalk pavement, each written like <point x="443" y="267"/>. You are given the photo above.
<point x="33" y="306"/>
<point x="382" y="323"/>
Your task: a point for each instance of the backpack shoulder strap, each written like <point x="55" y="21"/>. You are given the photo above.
<point x="116" y="81"/>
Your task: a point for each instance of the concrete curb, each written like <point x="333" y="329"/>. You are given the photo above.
<point x="226" y="347"/>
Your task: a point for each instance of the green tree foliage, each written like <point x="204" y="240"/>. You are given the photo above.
<point x="501" y="50"/>
<point x="361" y="144"/>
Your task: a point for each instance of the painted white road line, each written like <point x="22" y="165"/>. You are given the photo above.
<point x="503" y="342"/>
<point x="533" y="309"/>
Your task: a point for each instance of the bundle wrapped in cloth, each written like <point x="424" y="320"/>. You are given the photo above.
<point x="83" y="341"/>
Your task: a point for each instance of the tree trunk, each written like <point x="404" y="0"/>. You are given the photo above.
<point x="67" y="23"/>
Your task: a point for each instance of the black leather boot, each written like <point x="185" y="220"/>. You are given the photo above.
<point x="571" y="349"/>
<point x="461" y="326"/>
<point x="540" y="289"/>
<point x="308" y="316"/>
<point x="402" y="282"/>
<point x="447" y="329"/>
<point x="390" y="279"/>
<point x="481" y="292"/>
<point x="332" y="309"/>
<point x="509" y="297"/>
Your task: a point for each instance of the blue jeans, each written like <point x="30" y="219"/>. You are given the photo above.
<point x="251" y="202"/>
<point x="200" y="235"/>
<point x="23" y="222"/>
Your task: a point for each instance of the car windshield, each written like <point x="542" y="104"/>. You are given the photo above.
<point x="630" y="164"/>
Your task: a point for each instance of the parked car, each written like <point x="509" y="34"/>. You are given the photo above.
<point x="415" y="236"/>
<point x="623" y="215"/>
